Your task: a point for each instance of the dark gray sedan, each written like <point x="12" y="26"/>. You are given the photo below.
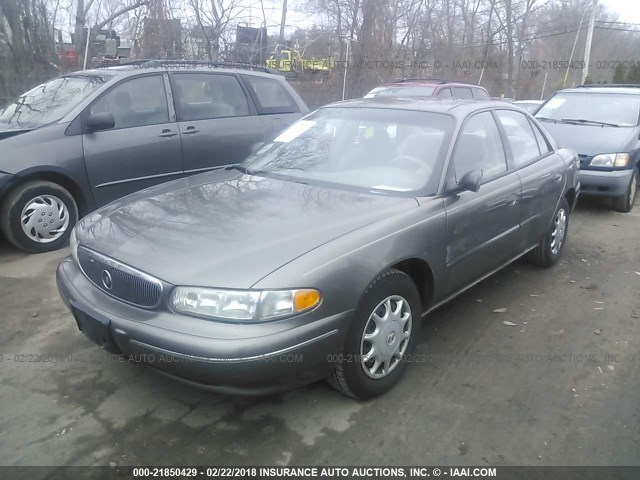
<point x="319" y="255"/>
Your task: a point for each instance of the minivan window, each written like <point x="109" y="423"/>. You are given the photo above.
<point x="135" y="103"/>
<point x="617" y="109"/>
<point x="271" y="95"/>
<point x="522" y="140"/>
<point x="50" y="101"/>
<point x="202" y="96"/>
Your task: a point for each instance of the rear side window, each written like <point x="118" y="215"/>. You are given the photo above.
<point x="445" y="92"/>
<point x="542" y="142"/>
<point x="203" y="96"/>
<point x="520" y="136"/>
<point x="480" y="93"/>
<point x="462" y="92"/>
<point x="271" y="95"/>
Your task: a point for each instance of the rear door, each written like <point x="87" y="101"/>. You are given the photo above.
<point x="218" y="126"/>
<point x="541" y="172"/>
<point x="483" y="228"/>
<point x="142" y="149"/>
<point x="273" y="101"/>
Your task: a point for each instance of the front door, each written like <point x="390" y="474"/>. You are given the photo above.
<point x="216" y="124"/>
<point x="142" y="149"/>
<point x="483" y="227"/>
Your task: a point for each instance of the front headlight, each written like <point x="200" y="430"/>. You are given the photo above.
<point x="242" y="305"/>
<point x="610" y="160"/>
<point x="73" y="243"/>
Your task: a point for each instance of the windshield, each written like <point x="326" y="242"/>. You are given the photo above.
<point x="405" y="91"/>
<point x="617" y="109"/>
<point x="50" y="101"/>
<point x="374" y="149"/>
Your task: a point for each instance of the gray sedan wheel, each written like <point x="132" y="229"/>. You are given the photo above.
<point x="551" y="245"/>
<point x="381" y="338"/>
<point x="38" y="216"/>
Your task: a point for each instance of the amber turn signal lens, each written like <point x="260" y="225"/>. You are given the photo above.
<point x="305" y="299"/>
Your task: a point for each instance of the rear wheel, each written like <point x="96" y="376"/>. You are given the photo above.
<point x="625" y="202"/>
<point x="381" y="337"/>
<point x="551" y="245"/>
<point x="38" y="216"/>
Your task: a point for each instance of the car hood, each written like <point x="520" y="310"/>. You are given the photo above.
<point x="7" y="130"/>
<point x="591" y="139"/>
<point x="226" y="229"/>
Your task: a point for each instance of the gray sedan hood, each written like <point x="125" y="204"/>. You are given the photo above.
<point x="225" y="229"/>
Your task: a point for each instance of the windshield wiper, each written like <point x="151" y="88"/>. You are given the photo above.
<point x="546" y="119"/>
<point x="582" y="121"/>
<point x="239" y="168"/>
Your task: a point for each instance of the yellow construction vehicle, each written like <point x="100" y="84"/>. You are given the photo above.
<point x="290" y="61"/>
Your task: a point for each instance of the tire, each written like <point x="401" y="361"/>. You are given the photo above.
<point x="58" y="212"/>
<point x="349" y="376"/>
<point x="546" y="254"/>
<point x="625" y="203"/>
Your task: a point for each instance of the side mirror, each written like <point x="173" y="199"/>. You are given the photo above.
<point x="471" y="180"/>
<point x="100" y="121"/>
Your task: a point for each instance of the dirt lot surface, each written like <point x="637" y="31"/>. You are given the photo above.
<point x="561" y="387"/>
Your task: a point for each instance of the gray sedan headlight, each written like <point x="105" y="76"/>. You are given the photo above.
<point x="73" y="243"/>
<point x="242" y="305"/>
<point x="610" y="160"/>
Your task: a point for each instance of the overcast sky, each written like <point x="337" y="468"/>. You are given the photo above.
<point x="628" y="10"/>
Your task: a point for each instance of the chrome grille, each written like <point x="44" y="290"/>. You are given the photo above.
<point x="120" y="280"/>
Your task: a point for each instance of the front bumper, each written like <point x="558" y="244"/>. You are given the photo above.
<point x="234" y="359"/>
<point x="603" y="183"/>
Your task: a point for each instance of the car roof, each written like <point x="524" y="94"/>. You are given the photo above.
<point x="435" y="82"/>
<point x="603" y="88"/>
<point x="133" y="68"/>
<point x="452" y="106"/>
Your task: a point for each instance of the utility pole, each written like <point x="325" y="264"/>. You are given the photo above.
<point x="575" y="42"/>
<point x="587" y="48"/>
<point x="283" y="22"/>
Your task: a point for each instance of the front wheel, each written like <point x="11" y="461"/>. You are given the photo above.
<point x="551" y="245"/>
<point x="38" y="216"/>
<point x="381" y="338"/>
<point x="625" y="202"/>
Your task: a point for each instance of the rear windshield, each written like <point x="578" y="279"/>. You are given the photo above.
<point x="617" y="109"/>
<point x="406" y="91"/>
<point x="50" y="101"/>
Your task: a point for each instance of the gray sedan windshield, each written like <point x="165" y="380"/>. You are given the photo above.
<point x="374" y="149"/>
<point x="621" y="110"/>
<point x="50" y="101"/>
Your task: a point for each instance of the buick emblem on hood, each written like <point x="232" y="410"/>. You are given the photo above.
<point x="107" y="281"/>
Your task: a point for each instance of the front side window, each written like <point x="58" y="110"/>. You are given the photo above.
<point x="520" y="136"/>
<point x="479" y="148"/>
<point x="50" y="101"/>
<point x="588" y="108"/>
<point x="207" y="96"/>
<point x="383" y="150"/>
<point x="272" y="96"/>
<point x="135" y="103"/>
<point x="445" y="92"/>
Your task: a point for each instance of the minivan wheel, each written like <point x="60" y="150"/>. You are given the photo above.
<point x="551" y="245"/>
<point x="625" y="202"/>
<point x="381" y="337"/>
<point x="38" y="216"/>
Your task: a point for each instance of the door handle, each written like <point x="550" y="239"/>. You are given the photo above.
<point x="512" y="201"/>
<point x="190" y="131"/>
<point x="166" y="133"/>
